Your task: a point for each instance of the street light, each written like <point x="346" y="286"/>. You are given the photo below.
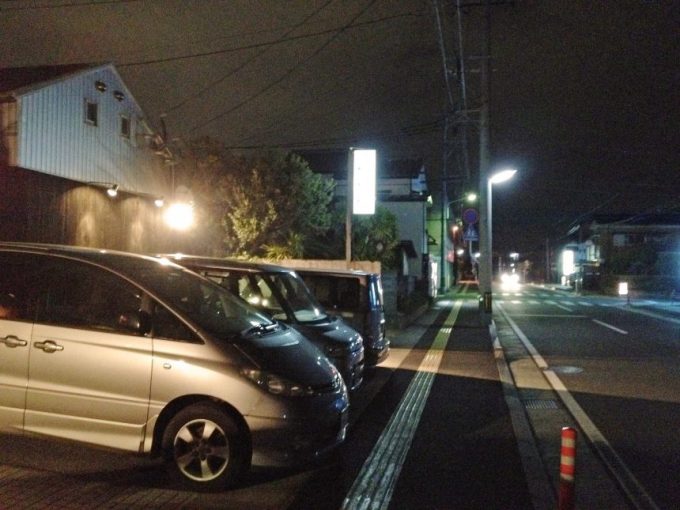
<point x="485" y="240"/>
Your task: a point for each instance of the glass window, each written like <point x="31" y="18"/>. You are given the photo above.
<point x="125" y="126"/>
<point x="202" y="301"/>
<point x="298" y="297"/>
<point x="91" y="113"/>
<point x="167" y="326"/>
<point x="323" y="289"/>
<point x="348" y="293"/>
<point x="21" y="281"/>
<point x="85" y="296"/>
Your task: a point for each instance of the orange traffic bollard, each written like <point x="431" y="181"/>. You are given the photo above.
<point x="567" y="468"/>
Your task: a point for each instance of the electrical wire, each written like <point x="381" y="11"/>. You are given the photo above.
<point x="287" y="73"/>
<point x="212" y="84"/>
<point x="267" y="43"/>
<point x="66" y="5"/>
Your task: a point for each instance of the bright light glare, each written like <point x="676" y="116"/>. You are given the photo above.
<point x="179" y="216"/>
<point x="471" y="197"/>
<point x="502" y="176"/>
<point x="623" y="288"/>
<point x="510" y="281"/>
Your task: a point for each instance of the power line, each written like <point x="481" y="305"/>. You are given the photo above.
<point x="287" y="73"/>
<point x="344" y="141"/>
<point x="248" y="61"/>
<point x="67" y="5"/>
<point x="267" y="43"/>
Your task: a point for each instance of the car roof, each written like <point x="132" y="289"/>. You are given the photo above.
<point x="339" y="272"/>
<point x="220" y="263"/>
<point x="114" y="259"/>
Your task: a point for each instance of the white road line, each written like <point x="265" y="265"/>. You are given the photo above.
<point x="550" y="315"/>
<point x="555" y="303"/>
<point x="613" y="328"/>
<point x="374" y="485"/>
<point x="627" y="481"/>
<point x="650" y="314"/>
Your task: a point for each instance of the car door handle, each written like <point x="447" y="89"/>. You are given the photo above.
<point x="48" y="346"/>
<point x="13" y="341"/>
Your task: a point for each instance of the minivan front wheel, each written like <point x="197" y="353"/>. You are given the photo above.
<point x="203" y="449"/>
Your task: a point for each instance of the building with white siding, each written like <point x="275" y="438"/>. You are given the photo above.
<point x="68" y="134"/>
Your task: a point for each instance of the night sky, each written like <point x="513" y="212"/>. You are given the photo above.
<point x="584" y="95"/>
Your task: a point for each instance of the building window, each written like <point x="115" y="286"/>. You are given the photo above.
<point x="620" y="240"/>
<point x="125" y="127"/>
<point x="91" y="113"/>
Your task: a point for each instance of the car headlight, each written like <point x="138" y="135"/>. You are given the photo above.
<point x="277" y="385"/>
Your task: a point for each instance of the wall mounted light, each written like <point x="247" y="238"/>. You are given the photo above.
<point x="159" y="202"/>
<point x="112" y="191"/>
<point x="100" y="85"/>
<point x="118" y="95"/>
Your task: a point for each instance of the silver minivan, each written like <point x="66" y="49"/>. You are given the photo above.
<point x="140" y="354"/>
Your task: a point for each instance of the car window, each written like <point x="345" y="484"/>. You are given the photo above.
<point x="167" y="326"/>
<point x="349" y="293"/>
<point x="20" y="282"/>
<point x="86" y="296"/>
<point x="323" y="289"/>
<point x="376" y="295"/>
<point x="202" y="301"/>
<point x="302" y="303"/>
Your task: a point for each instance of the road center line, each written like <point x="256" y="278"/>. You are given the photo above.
<point x="613" y="328"/>
<point x="374" y="485"/>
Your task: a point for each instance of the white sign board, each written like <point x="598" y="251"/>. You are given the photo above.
<point x="364" y="176"/>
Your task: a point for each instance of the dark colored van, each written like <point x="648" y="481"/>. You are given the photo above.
<point x="283" y="295"/>
<point x="357" y="296"/>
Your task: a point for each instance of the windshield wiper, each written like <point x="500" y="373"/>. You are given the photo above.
<point x="260" y="329"/>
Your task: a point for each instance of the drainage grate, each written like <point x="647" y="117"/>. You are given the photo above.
<point x="540" y="404"/>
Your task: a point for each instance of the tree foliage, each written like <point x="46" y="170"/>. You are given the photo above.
<point x="267" y="204"/>
<point x="374" y="237"/>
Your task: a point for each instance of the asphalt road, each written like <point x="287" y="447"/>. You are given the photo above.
<point x="430" y="429"/>
<point x="620" y="362"/>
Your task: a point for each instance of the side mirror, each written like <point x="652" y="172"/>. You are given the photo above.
<point x="136" y="322"/>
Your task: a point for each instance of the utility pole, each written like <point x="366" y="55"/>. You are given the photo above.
<point x="485" y="255"/>
<point x="350" y="205"/>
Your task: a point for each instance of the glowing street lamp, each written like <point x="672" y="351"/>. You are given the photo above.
<point x="179" y="216"/>
<point x="485" y="239"/>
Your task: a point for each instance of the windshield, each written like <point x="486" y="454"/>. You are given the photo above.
<point x="207" y="304"/>
<point x="302" y="304"/>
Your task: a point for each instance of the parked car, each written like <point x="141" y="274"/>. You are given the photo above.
<point x="358" y="297"/>
<point x="282" y="294"/>
<point x="140" y="354"/>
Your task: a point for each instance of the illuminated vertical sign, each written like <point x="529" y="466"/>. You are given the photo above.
<point x="364" y="175"/>
<point x="568" y="265"/>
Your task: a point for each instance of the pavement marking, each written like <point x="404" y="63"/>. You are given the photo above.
<point x="375" y="483"/>
<point x="635" y="492"/>
<point x="551" y="315"/>
<point x="555" y="303"/>
<point x="613" y="328"/>
<point x="649" y="314"/>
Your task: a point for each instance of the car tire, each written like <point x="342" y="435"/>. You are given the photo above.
<point x="204" y="449"/>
